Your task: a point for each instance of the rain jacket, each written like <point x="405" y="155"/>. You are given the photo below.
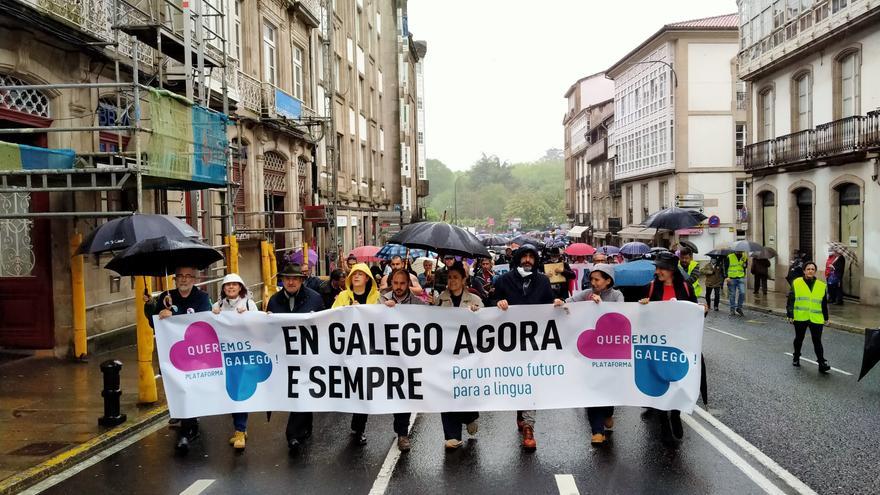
<point x="196" y="302"/>
<point x="516" y="289"/>
<point x="468" y="299"/>
<point x="608" y="295"/>
<point x="304" y="301"/>
<point x="226" y="304"/>
<point x="346" y="297"/>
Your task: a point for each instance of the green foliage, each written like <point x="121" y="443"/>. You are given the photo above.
<point x="491" y="188"/>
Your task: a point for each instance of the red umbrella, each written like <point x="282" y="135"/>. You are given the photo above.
<point x="579" y="249"/>
<point x="365" y="254"/>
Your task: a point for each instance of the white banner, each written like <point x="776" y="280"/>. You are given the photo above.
<point x="374" y="359"/>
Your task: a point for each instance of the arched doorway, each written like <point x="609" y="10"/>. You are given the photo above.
<point x="850" y="225"/>
<point x="804" y="202"/>
<point x="767" y="217"/>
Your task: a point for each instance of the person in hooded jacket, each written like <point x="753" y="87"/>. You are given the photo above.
<point x="295" y="297"/>
<point x="360" y="288"/>
<point x="602" y="282"/>
<point x="524" y="285"/>
<point x="235" y="298"/>
<point x="669" y="284"/>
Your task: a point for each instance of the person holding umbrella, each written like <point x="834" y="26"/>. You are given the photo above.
<point x="185" y="298"/>
<point x="807" y="307"/>
<point x="295" y="297"/>
<point x="735" y="277"/>
<point x="524" y="285"/>
<point x="713" y="280"/>
<point x="235" y="298"/>
<point x="360" y="288"/>
<point x="669" y="284"/>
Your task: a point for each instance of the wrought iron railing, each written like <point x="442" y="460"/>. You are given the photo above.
<point x="249" y="91"/>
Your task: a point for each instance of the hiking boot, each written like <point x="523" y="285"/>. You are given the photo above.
<point x="796" y="361"/>
<point x="403" y="443"/>
<point x="473" y="427"/>
<point x="609" y="423"/>
<point x="452" y="444"/>
<point x="597" y="439"/>
<point x="824" y="367"/>
<point x="238" y="440"/>
<point x="360" y="437"/>
<point x="528" y="439"/>
<point x="739" y="311"/>
<point x="675" y="424"/>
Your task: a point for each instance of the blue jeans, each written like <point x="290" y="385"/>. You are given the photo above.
<point x="239" y="421"/>
<point x="736" y="285"/>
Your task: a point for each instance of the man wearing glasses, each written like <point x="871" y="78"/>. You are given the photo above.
<point x="185" y="299"/>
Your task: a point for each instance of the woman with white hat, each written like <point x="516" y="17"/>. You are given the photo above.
<point x="235" y="298"/>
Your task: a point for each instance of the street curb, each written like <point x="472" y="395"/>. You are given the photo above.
<point x="839" y="326"/>
<point x="69" y="457"/>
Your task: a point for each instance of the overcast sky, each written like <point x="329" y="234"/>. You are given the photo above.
<point x="496" y="70"/>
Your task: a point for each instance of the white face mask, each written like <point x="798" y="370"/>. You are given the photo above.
<point x="523" y="272"/>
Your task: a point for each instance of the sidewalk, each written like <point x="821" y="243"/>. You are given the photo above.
<point x="851" y="317"/>
<point x="49" y="410"/>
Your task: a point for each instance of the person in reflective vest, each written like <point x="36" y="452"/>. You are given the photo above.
<point x="808" y="308"/>
<point x="686" y="255"/>
<point x="735" y="276"/>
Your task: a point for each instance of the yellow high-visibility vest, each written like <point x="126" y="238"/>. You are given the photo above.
<point x="808" y="303"/>
<point x="736" y="266"/>
<point x="698" y="289"/>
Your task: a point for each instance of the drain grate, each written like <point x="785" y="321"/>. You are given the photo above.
<point x="40" y="448"/>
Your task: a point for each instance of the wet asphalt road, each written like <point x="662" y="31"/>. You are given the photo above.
<point x="824" y="430"/>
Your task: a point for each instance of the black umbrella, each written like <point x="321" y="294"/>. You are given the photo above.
<point x="872" y="351"/>
<point x="441" y="237"/>
<point x="690" y="245"/>
<point x="719" y="252"/>
<point x="123" y="233"/>
<point x="527" y="239"/>
<point x="494" y="240"/>
<point x="161" y="256"/>
<point x="674" y="219"/>
<point x="746" y="247"/>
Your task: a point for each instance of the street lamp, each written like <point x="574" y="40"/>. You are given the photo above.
<point x="455" y="201"/>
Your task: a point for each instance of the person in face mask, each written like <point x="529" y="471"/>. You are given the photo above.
<point x="524" y="285"/>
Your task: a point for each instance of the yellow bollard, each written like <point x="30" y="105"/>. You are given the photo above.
<point x="273" y="270"/>
<point x="146" y="376"/>
<point x="266" y="271"/>
<point x="78" y="296"/>
<point x="306" y="255"/>
<point x="232" y="258"/>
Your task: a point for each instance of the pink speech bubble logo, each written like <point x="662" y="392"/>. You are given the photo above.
<point x="199" y="349"/>
<point x="612" y="338"/>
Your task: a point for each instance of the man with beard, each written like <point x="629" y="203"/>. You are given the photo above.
<point x="524" y="285"/>
<point x="397" y="263"/>
<point x="401" y="293"/>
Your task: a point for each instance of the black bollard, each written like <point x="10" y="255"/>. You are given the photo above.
<point x="111" y="394"/>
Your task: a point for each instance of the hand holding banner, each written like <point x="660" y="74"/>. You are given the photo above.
<point x="373" y="359"/>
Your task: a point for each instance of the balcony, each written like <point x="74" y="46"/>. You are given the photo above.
<point x="249" y="92"/>
<point x="279" y="104"/>
<point x="832" y="141"/>
<point x="422" y="189"/>
<point x="597" y="150"/>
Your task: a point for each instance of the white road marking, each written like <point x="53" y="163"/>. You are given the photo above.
<point x="790" y="479"/>
<point x="734" y="458"/>
<point x="726" y="333"/>
<point x="91" y="461"/>
<point x="847" y="373"/>
<point x="197" y="487"/>
<point x="566" y="485"/>
<point x="380" y="485"/>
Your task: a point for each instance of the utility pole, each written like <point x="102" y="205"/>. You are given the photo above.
<point x="332" y="155"/>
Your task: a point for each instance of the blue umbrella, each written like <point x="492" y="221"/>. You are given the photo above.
<point x="608" y="250"/>
<point x="634" y="248"/>
<point x="634" y="274"/>
<point x="389" y="251"/>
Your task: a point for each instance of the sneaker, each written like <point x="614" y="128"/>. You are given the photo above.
<point x="675" y="423"/>
<point x="403" y="443"/>
<point x="609" y="423"/>
<point x="453" y="444"/>
<point x="238" y="440"/>
<point x="716" y="308"/>
<point x="732" y="312"/>
<point x="528" y="439"/>
<point x="360" y="437"/>
<point x="796" y="362"/>
<point x="739" y="311"/>
<point x="824" y="367"/>
<point x="597" y="439"/>
<point x="473" y="427"/>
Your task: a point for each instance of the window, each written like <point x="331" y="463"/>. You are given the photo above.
<point x="740" y="139"/>
<point x="837" y="5"/>
<point x="237" y="34"/>
<point x="802" y="102"/>
<point x="629" y="205"/>
<point x="740" y="199"/>
<point x="848" y="85"/>
<point x="298" y="72"/>
<point x="765" y="115"/>
<point x="644" y="202"/>
<point x="339" y="73"/>
<point x="361" y="101"/>
<point x="270" y="54"/>
<point x="664" y="194"/>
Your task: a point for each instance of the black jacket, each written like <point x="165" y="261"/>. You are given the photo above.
<point x="328" y="293"/>
<point x="304" y="301"/>
<point x="684" y="291"/>
<point x="515" y="289"/>
<point x="196" y="302"/>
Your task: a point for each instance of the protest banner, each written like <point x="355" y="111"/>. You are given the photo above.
<point x="374" y="359"/>
<point x="554" y="272"/>
<point x="582" y="270"/>
<point x="501" y="269"/>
